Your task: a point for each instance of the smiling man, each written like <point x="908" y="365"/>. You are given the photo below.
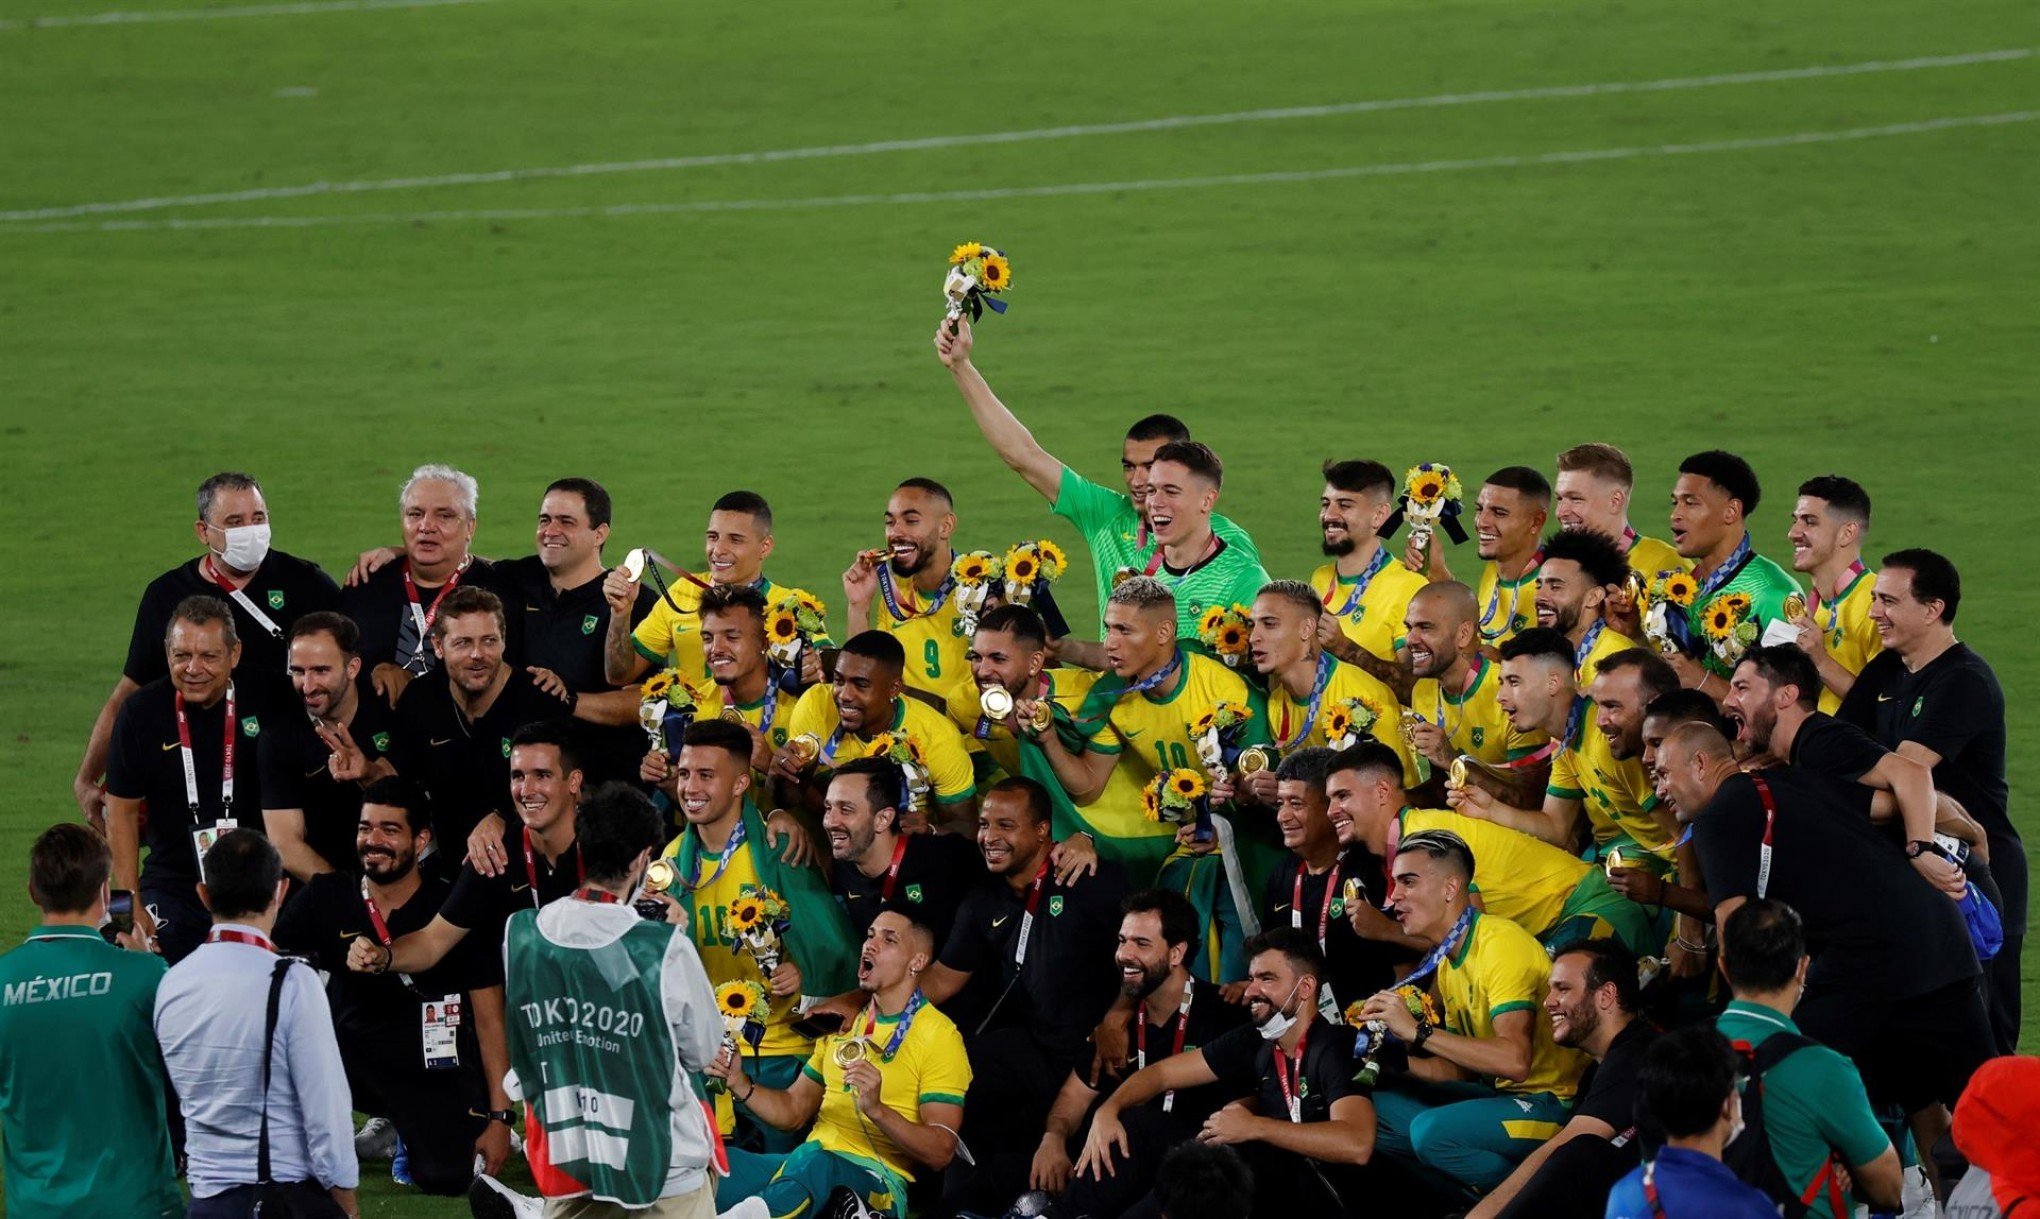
<point x="1364" y="592"/>
<point x="314" y="766"/>
<point x="1829" y="521"/>
<point x="908" y="591"/>
<point x="878" y="866"/>
<point x="1592" y="492"/>
<point x="1508" y="517"/>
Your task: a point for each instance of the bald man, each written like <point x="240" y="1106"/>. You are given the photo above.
<point x="1454" y="695"/>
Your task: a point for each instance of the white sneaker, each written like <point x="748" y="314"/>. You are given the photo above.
<point x="489" y="1198"/>
<point x="376" y="1140"/>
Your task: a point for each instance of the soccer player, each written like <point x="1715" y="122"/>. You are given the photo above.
<point x="1829" y="522"/>
<point x="315" y="766"/>
<point x="1363" y="590"/>
<point x="1592" y="492"/>
<point x="743" y="688"/>
<point x="1508" y="518"/>
<point x="265" y="590"/>
<point x="880" y="1112"/>
<point x="1119" y="527"/>
<point x="1010" y="651"/>
<point x="864" y="701"/>
<point x="171" y="781"/>
<point x="1494" y="1084"/>
<point x="880" y="867"/>
<point x="1712" y="501"/>
<point x="718" y="859"/>
<point x="1454" y="695"/>
<point x="1581" y="574"/>
<point x="910" y="595"/>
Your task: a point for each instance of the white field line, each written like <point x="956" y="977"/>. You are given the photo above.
<point x="922" y="143"/>
<point x="148" y="16"/>
<point x="1387" y="170"/>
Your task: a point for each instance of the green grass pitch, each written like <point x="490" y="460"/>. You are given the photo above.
<point x="1827" y="270"/>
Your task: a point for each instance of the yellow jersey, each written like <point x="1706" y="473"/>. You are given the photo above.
<point x="1506" y="606"/>
<point x="671" y="638"/>
<point x="1151" y="734"/>
<point x="1520" y="878"/>
<point x="1473" y="721"/>
<point x="1067" y="688"/>
<point x="1343" y="686"/>
<point x="717" y="703"/>
<point x="949" y="769"/>
<point x="708" y="924"/>
<point x="1373" y="616"/>
<point x="1500" y="968"/>
<point x="1609" y="643"/>
<point x="938" y="652"/>
<point x="929" y="1068"/>
<point x="1649" y="556"/>
<point x="1617" y="795"/>
<point x="1850" y="635"/>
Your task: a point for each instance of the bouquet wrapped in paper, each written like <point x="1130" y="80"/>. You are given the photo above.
<point x="1217" y="733"/>
<point x="1030" y="568"/>
<point x="742" y="1006"/>
<point x="1431" y="498"/>
<point x="667" y="703"/>
<point x="1176" y="797"/>
<point x="794" y="622"/>
<point x="758" y="918"/>
<point x="903" y="751"/>
<point x="1374" y="1033"/>
<point x="1226" y="630"/>
<point x="976" y="573"/>
<point x="1729" y="626"/>
<point x="977" y="275"/>
<point x="1347" y="720"/>
<point x="1670" y="595"/>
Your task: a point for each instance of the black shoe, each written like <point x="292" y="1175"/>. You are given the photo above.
<point x="844" y="1203"/>
<point x="1034" y="1204"/>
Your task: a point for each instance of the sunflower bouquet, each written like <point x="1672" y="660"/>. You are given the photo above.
<point x="1217" y="731"/>
<point x="1175" y="796"/>
<point x="1670" y="596"/>
<point x="666" y="705"/>
<point x="977" y="274"/>
<point x="1030" y="568"/>
<point x="1374" y="1033"/>
<point x="758" y="917"/>
<point x="795" y="621"/>
<point x="1729" y="626"/>
<point x="1225" y="630"/>
<point x="742" y="1006"/>
<point x="904" y="752"/>
<point x="1347" y="720"/>
<point x="976" y="572"/>
<point x="1431" y="496"/>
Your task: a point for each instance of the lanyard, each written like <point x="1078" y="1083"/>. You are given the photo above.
<point x="1317" y="697"/>
<point x="1324" y="918"/>
<point x="234" y="935"/>
<point x="228" y="727"/>
<point x="382" y="933"/>
<point x="1474" y="668"/>
<point x="1650" y="1191"/>
<point x="1813" y="597"/>
<point x="902" y="612"/>
<point x="1293" y="1097"/>
<point x="1374" y="566"/>
<point x="1182" y="1029"/>
<point x="1629" y="538"/>
<point x="241" y="598"/>
<point x="830" y="746"/>
<point x="1027" y="919"/>
<point x="1432" y="959"/>
<point x="601" y="897"/>
<point x="722" y="861"/>
<point x="1738" y="559"/>
<point x="1154" y="563"/>
<point x="1494" y="601"/>
<point x="771" y="707"/>
<point x="531" y="869"/>
<point x="424" y="617"/>
<point x="892" y="871"/>
<point x="906" y="1021"/>
<point x="1770" y="822"/>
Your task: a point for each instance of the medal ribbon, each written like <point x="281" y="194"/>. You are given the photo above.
<point x="1770" y="823"/>
<point x="241" y="598"/>
<point x="228" y="729"/>
<point x="1324" y="918"/>
<point x="1027" y="919"/>
<point x="601" y="897"/>
<point x="531" y="868"/>
<point x="1153" y="679"/>
<point x="1629" y="538"/>
<point x="892" y="871"/>
<point x="1738" y="559"/>
<point x="1545" y="751"/>
<point x="722" y="861"/>
<point x="1292" y="1097"/>
<point x="891" y="594"/>
<point x="1586" y="647"/>
<point x="1182" y="1029"/>
<point x="1154" y="563"/>
<point x="1516" y="594"/>
<point x="1374" y="566"/>
<point x="234" y="935"/>
<point x="425" y="617"/>
<point x="1317" y="697"/>
<point x="1813" y="597"/>
<point x="906" y="1021"/>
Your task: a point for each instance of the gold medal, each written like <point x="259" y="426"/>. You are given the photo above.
<point x="1457" y="775"/>
<point x="1256" y="758"/>
<point x="851" y="1050"/>
<point x="1411" y="717"/>
<point x="634" y="564"/>
<point x="660" y="875"/>
<point x="1042" y="715"/>
<point x="804" y="749"/>
<point x="1614" y="860"/>
<point x="1354" y="891"/>
<point x="1795" y="607"/>
<point x="995" y="703"/>
<point x="733" y="715"/>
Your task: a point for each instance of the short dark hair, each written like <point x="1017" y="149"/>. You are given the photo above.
<point x="325" y="622"/>
<point x="67" y="867"/>
<point x="225" y="480"/>
<point x="1158" y="427"/>
<point x="1203" y="1181"/>
<point x="1729" y="472"/>
<point x="1019" y="621"/>
<point x="561" y="735"/>
<point x="928" y="486"/>
<point x="1524" y="481"/>
<point x="879" y="646"/>
<point x="1843" y="496"/>
<point x="750" y="503"/>
<point x="1787" y="664"/>
<point x="1365" y="756"/>
<point x="1361" y="477"/>
<point x="465" y="600"/>
<point x="204" y="609"/>
<point x="1686" y="1077"/>
<point x="1654" y="673"/>
<point x="1295" y="943"/>
<point x="611" y="827"/>
<point x="1684" y="706"/>
<point x="1296" y="592"/>
<point x="733" y="739"/>
<point x="1039" y="806"/>
<point x="1196" y="457"/>
<point x="1309" y="766"/>
<point x="732" y="598"/>
<point x="1609" y="963"/>
<point x="594" y="497"/>
<point x="1761" y="945"/>
<point x="1600" y="559"/>
<point x="241" y="871"/>
<point x="1179" y="918"/>
<point x="395" y="791"/>
<point x="1934" y="578"/>
<point x="1539" y="643"/>
<point x="1439" y="844"/>
<point x="1601" y="460"/>
<point x="885" y="784"/>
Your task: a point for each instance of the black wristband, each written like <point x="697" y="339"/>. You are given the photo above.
<point x="506" y="1116"/>
<point x="1424" y="1031"/>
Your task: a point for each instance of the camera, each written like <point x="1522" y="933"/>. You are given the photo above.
<point x="650" y="909"/>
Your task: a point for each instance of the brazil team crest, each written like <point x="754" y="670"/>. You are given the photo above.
<point x="1479" y="735"/>
<point x="588" y="624"/>
<point x="382" y="741"/>
<point x="1055" y="904"/>
<point x="275" y="598"/>
<point x="506" y="746"/>
<point x="251" y="726"/>
<point x="914" y="894"/>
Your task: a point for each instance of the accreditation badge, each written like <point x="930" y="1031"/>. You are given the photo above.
<point x="203" y="837"/>
<point x="440" y="1019"/>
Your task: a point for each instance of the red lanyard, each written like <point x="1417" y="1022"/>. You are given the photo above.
<point x="234" y="935"/>
<point x="531" y="869"/>
<point x="1140" y="1029"/>
<point x="228" y="727"/>
<point x="601" y="897"/>
<point x="1324" y="918"/>
<point x="240" y="597"/>
<point x="382" y="932"/>
<point x="425" y="617"/>
<point x="892" y="872"/>
<point x="1292" y="1097"/>
<point x="1770" y="822"/>
<point x="1027" y="919"/>
<point x="1154" y="563"/>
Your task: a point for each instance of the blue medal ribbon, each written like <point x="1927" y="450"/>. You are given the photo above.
<point x="891" y="593"/>
<point x="1495" y="598"/>
<point x="1364" y="1043"/>
<point x="1586" y="647"/>
<point x="1155" y="678"/>
<point x="906" y="1021"/>
<point x="1317" y="698"/>
<point x="722" y="861"/>
<point x="1374" y="566"/>
<point x="1737" y="560"/>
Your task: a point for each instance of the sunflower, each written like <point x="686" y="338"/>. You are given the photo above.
<point x="1151" y="802"/>
<point x="658" y="684"/>
<point x="1212" y="617"/>
<point x="997" y="274"/>
<point x="804" y="600"/>
<point x="1428" y="487"/>
<point x="1052" y="559"/>
<point x="965" y="252"/>
<point x="1232" y="639"/>
<point x="972" y="567"/>
<point x="746" y="912"/>
<point x="1719" y="621"/>
<point x="1204" y="723"/>
<point x="782" y="625"/>
<point x="1420" y="1003"/>
<point x="1022" y="566"/>
<point x="1680" y="588"/>
<point x="1354" y="1019"/>
<point x="1737" y="601"/>
<point x="1186" y="783"/>
<point x="1338" y="722"/>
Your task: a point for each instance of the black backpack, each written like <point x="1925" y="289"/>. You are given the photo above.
<point x="1749" y="1156"/>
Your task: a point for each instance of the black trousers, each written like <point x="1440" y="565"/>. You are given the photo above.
<point x="433" y="1111"/>
<point x="1150" y="1134"/>
<point x="1911" y="1052"/>
<point x="1014" y="1080"/>
<point x="2001" y="972"/>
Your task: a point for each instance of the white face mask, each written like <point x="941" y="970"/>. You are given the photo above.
<point x="247" y="546"/>
<point x="1735" y="1124"/>
<point x="1280" y="1022"/>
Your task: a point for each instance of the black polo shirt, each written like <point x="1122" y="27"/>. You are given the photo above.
<point x="1068" y="979"/>
<point x="1245" y="1065"/>
<point x="389" y="634"/>
<point x="1841" y="751"/>
<point x="1873" y="924"/>
<point x="1211" y="1018"/>
<point x="295" y="775"/>
<point x="376" y="1016"/>
<point x="285" y="588"/>
<point x="1358" y="967"/>
<point x="1608" y="1088"/>
<point x="480" y="905"/>
<point x="464" y="765"/>
<point x="144" y="763"/>
<point x="936" y="873"/>
<point x="564" y="631"/>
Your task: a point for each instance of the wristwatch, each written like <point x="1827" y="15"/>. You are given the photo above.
<point x="1424" y="1030"/>
<point x="506" y="1116"/>
<point x="1925" y="846"/>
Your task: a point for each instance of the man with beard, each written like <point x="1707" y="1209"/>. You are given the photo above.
<point x="1592" y="1003"/>
<point x="1711" y="503"/>
<point x="424" y="1050"/>
<point x="315" y="768"/>
<point x="743" y="692"/>
<point x="1364" y="592"/>
<point x="1508" y="518"/>
<point x="1456" y="711"/>
<point x="1592" y="493"/>
<point x="880" y="867"/>
<point x="1493" y="1084"/>
<point x="1581" y="574"/>
<point x="1115" y="525"/>
<point x="886" y="1096"/>
<point x="1828" y="524"/>
<point x="907" y="590"/>
<point x="864" y="701"/>
<point x="1157" y="934"/>
<point x="1304" y="1125"/>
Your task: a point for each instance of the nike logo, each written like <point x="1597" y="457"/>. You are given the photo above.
<point x="999" y="922"/>
<point x="519" y="888"/>
<point x="1281" y="907"/>
<point x="315" y="772"/>
<point x="447" y="741"/>
<point x="1884" y="698"/>
<point x="172" y="745"/>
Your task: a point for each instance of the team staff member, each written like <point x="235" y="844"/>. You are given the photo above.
<point x="75" y="1022"/>
<point x="315" y="766"/>
<point x="1363" y="590"/>
<point x="1828" y="524"/>
<point x="878" y="867"/>
<point x="910" y="595"/>
<point x="181" y="771"/>
<point x="1508" y="518"/>
<point x="266" y="590"/>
